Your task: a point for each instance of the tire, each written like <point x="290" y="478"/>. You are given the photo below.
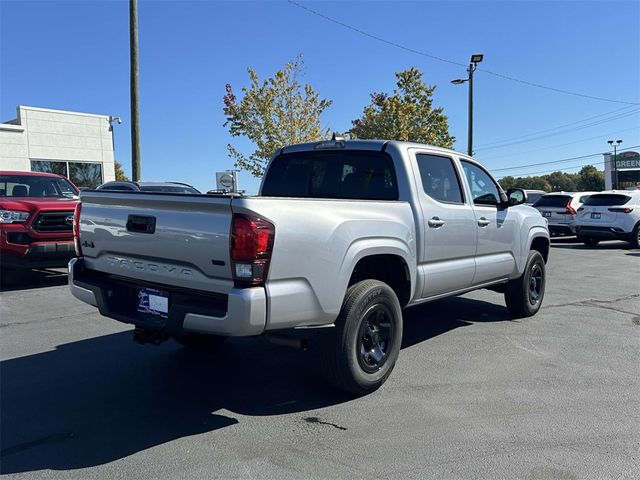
<point x="590" y="242"/>
<point x="635" y="237"/>
<point x="200" y="341"/>
<point x="524" y="295"/>
<point x="360" y="352"/>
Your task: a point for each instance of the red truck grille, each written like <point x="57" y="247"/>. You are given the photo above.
<point x="47" y="222"/>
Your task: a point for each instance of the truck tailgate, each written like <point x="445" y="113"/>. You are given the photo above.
<point x="167" y="239"/>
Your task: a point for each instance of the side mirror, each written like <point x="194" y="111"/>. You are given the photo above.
<point x="516" y="196"/>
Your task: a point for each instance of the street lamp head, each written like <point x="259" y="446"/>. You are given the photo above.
<point x="610" y="142"/>
<point x="115" y="119"/>
<point x="458" y="81"/>
<point x="477" y="58"/>
<point x="618" y="142"/>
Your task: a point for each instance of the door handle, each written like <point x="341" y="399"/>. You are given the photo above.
<point x="483" y="222"/>
<point x="435" y="222"/>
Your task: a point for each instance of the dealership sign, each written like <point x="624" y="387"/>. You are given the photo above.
<point x="628" y="161"/>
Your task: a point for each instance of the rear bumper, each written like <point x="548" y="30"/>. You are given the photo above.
<point x="602" y="233"/>
<point x="242" y="312"/>
<point x="560" y="229"/>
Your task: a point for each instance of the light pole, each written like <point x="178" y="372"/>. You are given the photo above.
<point x="615" y="167"/>
<point x="135" y="119"/>
<point x="475" y="59"/>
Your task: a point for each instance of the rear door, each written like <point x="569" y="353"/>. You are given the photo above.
<point x="446" y="262"/>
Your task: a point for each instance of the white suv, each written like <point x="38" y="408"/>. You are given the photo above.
<point x="560" y="209"/>
<point x="611" y="215"/>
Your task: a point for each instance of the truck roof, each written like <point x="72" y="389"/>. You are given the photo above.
<point x="376" y="145"/>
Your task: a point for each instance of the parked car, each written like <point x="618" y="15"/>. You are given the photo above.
<point x="560" y="208"/>
<point x="36" y="216"/>
<point x="343" y="235"/>
<point x="534" y="195"/>
<point x="611" y="215"/>
<point x="158" y="187"/>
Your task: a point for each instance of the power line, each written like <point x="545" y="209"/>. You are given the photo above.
<point x="517" y="154"/>
<point x="558" y="161"/>
<point x="551" y="129"/>
<point x="562" y="132"/>
<point x="441" y="59"/>
<point x="543" y="172"/>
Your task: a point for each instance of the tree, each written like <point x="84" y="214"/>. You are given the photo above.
<point x="273" y="113"/>
<point x="562" y="182"/>
<point x="590" y="179"/>
<point x="407" y="115"/>
<point x="120" y="176"/>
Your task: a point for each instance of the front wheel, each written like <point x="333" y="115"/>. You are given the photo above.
<point x="359" y="354"/>
<point x="524" y="295"/>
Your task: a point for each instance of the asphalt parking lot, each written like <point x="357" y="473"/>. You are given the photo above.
<point x="474" y="395"/>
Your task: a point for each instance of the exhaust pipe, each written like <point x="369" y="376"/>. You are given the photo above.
<point x="287" y="341"/>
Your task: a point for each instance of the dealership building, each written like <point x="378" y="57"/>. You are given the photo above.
<point x="627" y="168"/>
<point x="76" y="145"/>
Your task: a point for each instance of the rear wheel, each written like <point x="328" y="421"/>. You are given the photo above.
<point x="590" y="242"/>
<point x="635" y="237"/>
<point x="524" y="295"/>
<point x="199" y="341"/>
<point x="359" y="354"/>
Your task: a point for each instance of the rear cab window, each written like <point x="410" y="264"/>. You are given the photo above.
<point x="345" y="174"/>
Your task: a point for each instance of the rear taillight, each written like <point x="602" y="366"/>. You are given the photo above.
<point x="621" y="210"/>
<point x="251" y="244"/>
<point x="569" y="209"/>
<point x="76" y="229"/>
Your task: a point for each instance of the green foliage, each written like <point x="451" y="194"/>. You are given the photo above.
<point x="588" y="179"/>
<point x="273" y="113"/>
<point x="591" y="179"/>
<point x="120" y="176"/>
<point x="406" y="115"/>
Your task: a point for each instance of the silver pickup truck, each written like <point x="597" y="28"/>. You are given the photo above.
<point x="342" y="236"/>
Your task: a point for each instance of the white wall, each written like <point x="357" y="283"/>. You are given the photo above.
<point x="56" y="135"/>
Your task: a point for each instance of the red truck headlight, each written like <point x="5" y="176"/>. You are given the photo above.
<point x="13" y="216"/>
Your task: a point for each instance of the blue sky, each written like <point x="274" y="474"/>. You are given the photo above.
<point x="74" y="56"/>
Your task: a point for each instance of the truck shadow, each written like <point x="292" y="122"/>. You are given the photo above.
<point x="29" y="279"/>
<point x="97" y="400"/>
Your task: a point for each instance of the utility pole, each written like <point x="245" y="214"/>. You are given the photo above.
<point x="135" y="118"/>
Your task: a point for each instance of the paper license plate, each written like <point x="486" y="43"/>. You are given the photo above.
<point x="153" y="302"/>
<point x="595" y="215"/>
<point x="546" y="214"/>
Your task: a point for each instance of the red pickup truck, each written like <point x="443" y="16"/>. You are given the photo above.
<point x="36" y="220"/>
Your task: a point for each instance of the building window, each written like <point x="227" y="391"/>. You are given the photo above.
<point x="82" y="174"/>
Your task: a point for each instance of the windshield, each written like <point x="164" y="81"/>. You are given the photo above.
<point x="168" y="189"/>
<point x="534" y="197"/>
<point x="32" y="186"/>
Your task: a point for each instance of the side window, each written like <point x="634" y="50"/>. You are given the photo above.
<point x="439" y="178"/>
<point x="484" y="190"/>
